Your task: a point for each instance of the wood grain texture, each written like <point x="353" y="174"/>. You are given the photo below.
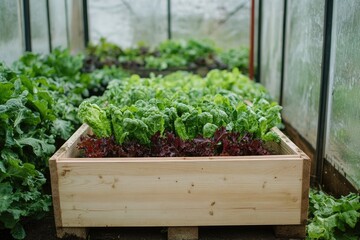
<point x="225" y="192"/>
<point x="55" y="191"/>
<point x="179" y="192"/>
<point x="305" y="190"/>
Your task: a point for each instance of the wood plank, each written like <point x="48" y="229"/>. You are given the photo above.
<point x="198" y="193"/>
<point x="305" y="190"/>
<point x="181" y="159"/>
<point x="183" y="233"/>
<point x="287" y="146"/>
<point x="55" y="191"/>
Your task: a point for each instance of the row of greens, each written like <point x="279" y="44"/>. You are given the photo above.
<point x="189" y="54"/>
<point x="187" y="105"/>
<point x="38" y="112"/>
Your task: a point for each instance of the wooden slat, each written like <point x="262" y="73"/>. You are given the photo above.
<point x="55" y="191"/>
<point x="287" y="146"/>
<point x="69" y="148"/>
<point x="181" y="159"/>
<point x="305" y="190"/>
<point x="227" y="192"/>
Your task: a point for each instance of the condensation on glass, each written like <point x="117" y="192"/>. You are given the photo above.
<point x="11" y="31"/>
<point x="75" y="24"/>
<point x="271" y="46"/>
<point x="303" y="56"/>
<point x="343" y="141"/>
<point x="39" y="26"/>
<point x="127" y="22"/>
<point x="227" y="23"/>
<point x="58" y="23"/>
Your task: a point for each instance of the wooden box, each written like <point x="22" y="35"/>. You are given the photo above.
<point x="184" y="191"/>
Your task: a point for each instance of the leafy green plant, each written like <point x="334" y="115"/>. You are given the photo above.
<point x="332" y="218"/>
<point x="21" y="193"/>
<point x="190" y="54"/>
<point x="38" y="112"/>
<point x="27" y="125"/>
<point x="238" y="58"/>
<point x="184" y="104"/>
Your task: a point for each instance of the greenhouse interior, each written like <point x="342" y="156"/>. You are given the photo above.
<point x="180" y="119"/>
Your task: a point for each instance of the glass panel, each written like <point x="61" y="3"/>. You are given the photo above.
<point x="225" y="22"/>
<point x="342" y="148"/>
<point x="75" y="25"/>
<point x="304" y="40"/>
<point x="39" y="26"/>
<point x="256" y="34"/>
<point x="271" y="46"/>
<point x="128" y="22"/>
<point x="11" y="43"/>
<point x="58" y="23"/>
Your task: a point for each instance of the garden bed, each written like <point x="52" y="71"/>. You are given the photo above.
<point x="146" y="72"/>
<point x="184" y="191"/>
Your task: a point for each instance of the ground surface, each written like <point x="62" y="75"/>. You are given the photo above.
<point x="45" y="230"/>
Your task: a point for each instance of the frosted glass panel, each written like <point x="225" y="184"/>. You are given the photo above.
<point x="58" y="23"/>
<point x="39" y="26"/>
<point x="127" y="22"/>
<point x="256" y="35"/>
<point x="271" y="46"/>
<point x="304" y="39"/>
<point x="75" y="25"/>
<point x="11" y="44"/>
<point x="225" y="22"/>
<point x="343" y="142"/>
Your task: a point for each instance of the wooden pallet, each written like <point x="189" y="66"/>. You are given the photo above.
<point x="180" y="192"/>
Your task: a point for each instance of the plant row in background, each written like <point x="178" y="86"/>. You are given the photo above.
<point x="188" y="55"/>
<point x="38" y="112"/>
<point x="180" y="115"/>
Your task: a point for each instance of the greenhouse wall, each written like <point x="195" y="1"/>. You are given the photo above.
<point x="271" y="46"/>
<point x="39" y="26"/>
<point x="127" y="23"/>
<point x="11" y="30"/>
<point x="75" y="25"/>
<point x="225" y="22"/>
<point x="303" y="55"/>
<point x="58" y="23"/>
<point x="343" y="141"/>
<point x="304" y="77"/>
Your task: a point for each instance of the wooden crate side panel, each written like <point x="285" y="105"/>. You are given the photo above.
<point x="69" y="148"/>
<point x="305" y="190"/>
<point x="55" y="192"/>
<point x="286" y="146"/>
<point x="180" y="193"/>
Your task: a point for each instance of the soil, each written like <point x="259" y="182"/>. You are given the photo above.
<point x="44" y="229"/>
